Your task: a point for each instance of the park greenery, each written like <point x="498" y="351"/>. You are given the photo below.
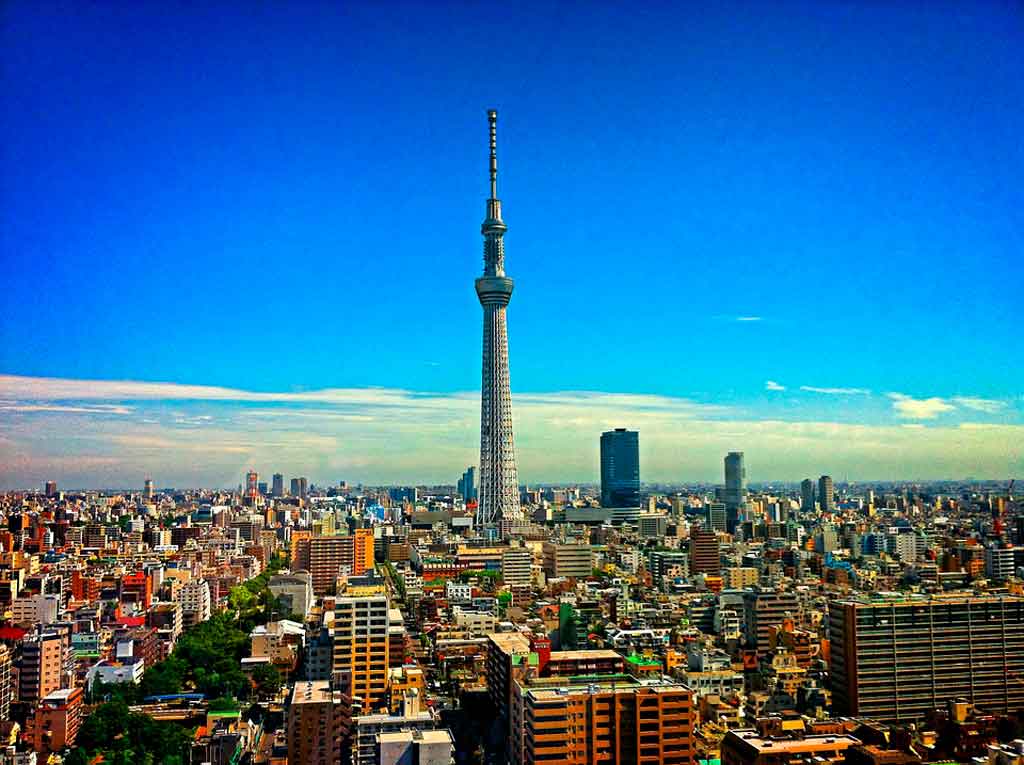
<point x="124" y="737"/>
<point x="206" y="659"/>
<point x="397" y="581"/>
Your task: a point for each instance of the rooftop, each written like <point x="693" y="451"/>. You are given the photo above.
<point x="806" y="743"/>
<point x="550" y="688"/>
<point x="597" y="653"/>
<point x="642" y="661"/>
<point x="919" y="599"/>
<point x="510" y="642"/>
<point x="312" y="692"/>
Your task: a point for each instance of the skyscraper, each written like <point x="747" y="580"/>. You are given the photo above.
<point x="704" y="553"/>
<point x="735" y="481"/>
<point x="148" y="490"/>
<point x="277" y="487"/>
<point x="620" y="468"/>
<point x="807" y="495"/>
<point x="252" y="489"/>
<point x="499" y="483"/>
<point x="51" y="488"/>
<point x="826" y="498"/>
<point x="467" y="484"/>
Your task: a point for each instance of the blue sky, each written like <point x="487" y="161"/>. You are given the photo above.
<point x="279" y="200"/>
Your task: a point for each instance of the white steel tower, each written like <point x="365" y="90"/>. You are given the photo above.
<point x="499" y="484"/>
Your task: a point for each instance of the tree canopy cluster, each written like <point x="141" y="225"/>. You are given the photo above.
<point x="206" y="659"/>
<point x="124" y="737"/>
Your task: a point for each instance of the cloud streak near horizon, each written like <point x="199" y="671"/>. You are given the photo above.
<point x="113" y="433"/>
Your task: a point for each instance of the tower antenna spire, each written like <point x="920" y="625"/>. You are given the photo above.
<point x="492" y="117"/>
<point x="498" y="495"/>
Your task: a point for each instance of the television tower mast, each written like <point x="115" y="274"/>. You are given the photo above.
<point x="499" y="484"/>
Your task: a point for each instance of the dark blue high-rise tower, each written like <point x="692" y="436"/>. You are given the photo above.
<point x="620" y="468"/>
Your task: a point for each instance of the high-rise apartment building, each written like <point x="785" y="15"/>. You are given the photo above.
<point x="320" y="722"/>
<point x="617" y="719"/>
<point x="766" y="609"/>
<point x="46" y="665"/>
<point x="507" y="652"/>
<point x="299" y="549"/>
<point x="196" y="602"/>
<point x="326" y="555"/>
<point x="277" y="485"/>
<point x="51" y="488"/>
<point x="807" y="495"/>
<point x="359" y="552"/>
<point x="897" y="659"/>
<point x="561" y="560"/>
<point x="1001" y="561"/>
<point x="361" y="647"/>
<point x="6" y="682"/>
<point x="620" y="468"/>
<point x="663" y="564"/>
<point x="735" y="481"/>
<point x="827" y="539"/>
<point x="499" y="482"/>
<point x="53" y="725"/>
<point x="148" y="489"/>
<point x="705" y="556"/>
<point x="826" y="496"/>
<point x="517" y="567"/>
<point x="331" y="556"/>
<point x="406" y="738"/>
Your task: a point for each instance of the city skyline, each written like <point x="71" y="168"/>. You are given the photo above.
<point x="114" y="433"/>
<point x="739" y="481"/>
<point x="310" y="329"/>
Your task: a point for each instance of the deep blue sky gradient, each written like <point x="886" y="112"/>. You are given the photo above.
<point x="288" y="196"/>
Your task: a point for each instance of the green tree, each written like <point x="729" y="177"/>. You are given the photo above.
<point x="567" y="637"/>
<point x="267" y="680"/>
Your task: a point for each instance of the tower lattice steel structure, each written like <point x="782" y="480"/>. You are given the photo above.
<point x="499" y="484"/>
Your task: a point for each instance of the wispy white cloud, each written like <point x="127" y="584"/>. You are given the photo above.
<point x="986" y="405"/>
<point x="82" y="409"/>
<point x="390" y="435"/>
<point x="62" y="389"/>
<point x="749" y="318"/>
<point x="911" y="408"/>
<point x="836" y="391"/>
<point x="772" y="385"/>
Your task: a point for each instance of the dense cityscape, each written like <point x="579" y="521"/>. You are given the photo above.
<point x="287" y="622"/>
<point x="747" y="489"/>
<point x="488" y="622"/>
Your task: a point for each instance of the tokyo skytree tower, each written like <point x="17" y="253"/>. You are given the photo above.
<point x="499" y="484"/>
